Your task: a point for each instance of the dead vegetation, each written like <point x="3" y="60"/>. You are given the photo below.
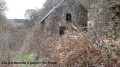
<point x="4" y="39"/>
<point x="73" y="49"/>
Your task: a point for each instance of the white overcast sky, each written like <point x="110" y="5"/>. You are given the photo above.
<point x="17" y="8"/>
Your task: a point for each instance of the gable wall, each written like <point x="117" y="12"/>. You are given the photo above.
<point x="57" y="18"/>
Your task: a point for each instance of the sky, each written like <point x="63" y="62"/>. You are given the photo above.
<point x="17" y="8"/>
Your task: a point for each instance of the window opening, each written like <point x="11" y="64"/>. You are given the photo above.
<point x="68" y="17"/>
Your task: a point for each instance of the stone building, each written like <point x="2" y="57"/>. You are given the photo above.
<point x="96" y="16"/>
<point x="63" y="14"/>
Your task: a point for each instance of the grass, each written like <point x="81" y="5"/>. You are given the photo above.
<point x="26" y="57"/>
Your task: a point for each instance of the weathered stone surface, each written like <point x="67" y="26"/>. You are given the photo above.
<point x="99" y="13"/>
<point x="58" y="16"/>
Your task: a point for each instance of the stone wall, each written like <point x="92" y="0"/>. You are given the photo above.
<point x="99" y="15"/>
<point x="115" y="16"/>
<point x="58" y="16"/>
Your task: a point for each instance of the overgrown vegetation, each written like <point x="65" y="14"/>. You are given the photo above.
<point x="26" y="57"/>
<point x="73" y="49"/>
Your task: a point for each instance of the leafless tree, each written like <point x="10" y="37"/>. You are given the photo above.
<point x="4" y="34"/>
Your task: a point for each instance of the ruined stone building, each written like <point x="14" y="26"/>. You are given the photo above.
<point x="99" y="17"/>
<point x="62" y="14"/>
<point x="45" y="41"/>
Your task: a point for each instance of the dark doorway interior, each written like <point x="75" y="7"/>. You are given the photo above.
<point x="68" y="17"/>
<point x="61" y="30"/>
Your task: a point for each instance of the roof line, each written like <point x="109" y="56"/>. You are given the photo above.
<point x="81" y="4"/>
<point x="51" y="11"/>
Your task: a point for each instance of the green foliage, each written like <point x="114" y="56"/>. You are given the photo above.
<point x="27" y="58"/>
<point x="118" y="33"/>
<point x="112" y="34"/>
<point x="107" y="58"/>
<point x="117" y="52"/>
<point x="108" y="34"/>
